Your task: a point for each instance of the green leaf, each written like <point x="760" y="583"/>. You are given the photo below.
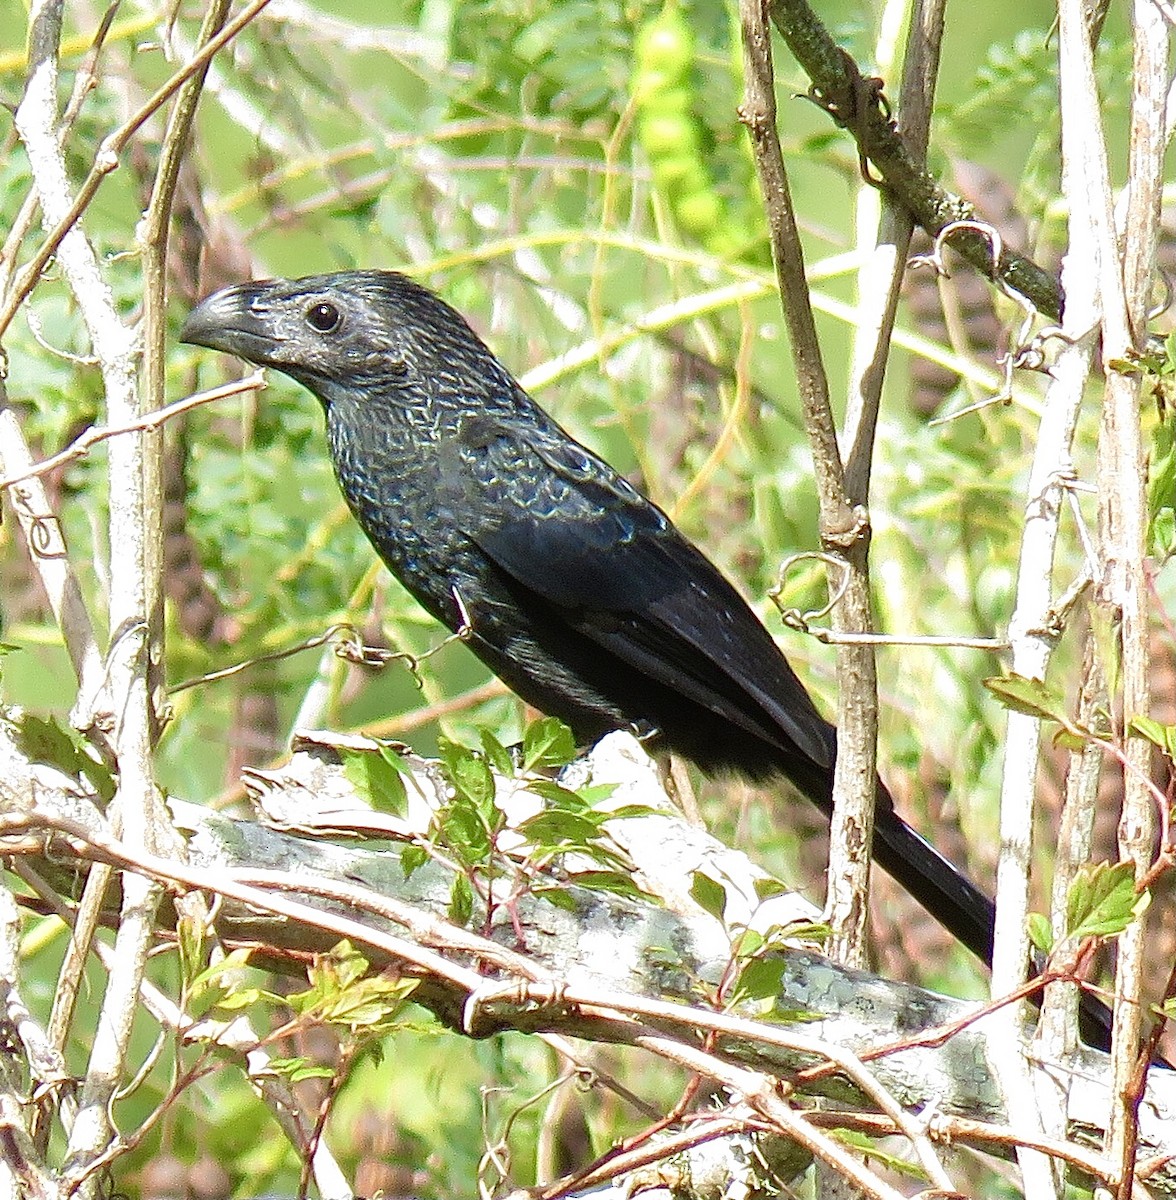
<point x="664" y="958"/>
<point x="368" y="1003"/>
<point x="1103" y="901"/>
<point x="617" y="882"/>
<point x="469" y="773"/>
<point x="596" y="793"/>
<point x="340" y="966"/>
<point x="748" y="944"/>
<point x="1162" y="466"/>
<point x="461" y="828"/>
<point x="343" y="993"/>
<point x="759" y="979"/>
<point x="708" y="894"/>
<point x="1068" y="739"/>
<point x="239" y="998"/>
<point x="192" y="946"/>
<point x="1040" y="932"/>
<point x="1034" y="697"/>
<point x="766" y="888"/>
<point x="547" y="743"/>
<point x="558" y="808"/>
<point x="558" y="897"/>
<point x="1161" y="487"/>
<point x="1105" y="631"/>
<point x="879" y="1155"/>
<point x="412" y="858"/>
<point x="553" y="830"/>
<point x="297" y="1069"/>
<point x="377" y="777"/>
<point x="461" y="901"/>
<point x="45" y="741"/>
<point x="1163" y="736"/>
<point x="800" y="931"/>
<point x="557" y="795"/>
<point x="627" y="812"/>
<point x="224" y="972"/>
<point x="1162" y="534"/>
<point x="497" y="755"/>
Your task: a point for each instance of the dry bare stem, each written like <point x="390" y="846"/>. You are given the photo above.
<point x="844" y="523"/>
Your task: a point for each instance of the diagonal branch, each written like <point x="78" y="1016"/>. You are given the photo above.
<point x="857" y="104"/>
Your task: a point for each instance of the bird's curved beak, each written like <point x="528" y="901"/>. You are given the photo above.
<point x="236" y="320"/>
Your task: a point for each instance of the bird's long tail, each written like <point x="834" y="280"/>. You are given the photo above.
<point x="934" y="881"/>
<point x="943" y="890"/>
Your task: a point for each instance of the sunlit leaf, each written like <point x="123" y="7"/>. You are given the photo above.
<point x="708" y="894"/>
<point x="547" y="743"/>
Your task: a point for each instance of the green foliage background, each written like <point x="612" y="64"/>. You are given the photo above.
<point x="504" y="153"/>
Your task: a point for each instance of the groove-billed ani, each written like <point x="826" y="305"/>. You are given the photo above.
<point x="572" y="588"/>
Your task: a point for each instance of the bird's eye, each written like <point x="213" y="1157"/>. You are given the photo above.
<point x="324" y="317"/>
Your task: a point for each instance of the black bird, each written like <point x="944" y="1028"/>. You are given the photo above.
<point x="575" y="590"/>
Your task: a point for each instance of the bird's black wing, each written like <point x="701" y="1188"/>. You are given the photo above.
<point x="564" y="526"/>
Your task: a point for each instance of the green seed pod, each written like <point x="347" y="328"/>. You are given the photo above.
<point x="667" y="133"/>
<point x="674" y="138"/>
<point x="664" y="46"/>
<point x="700" y="213"/>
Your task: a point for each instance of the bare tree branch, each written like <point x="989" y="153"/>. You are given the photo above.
<point x="543" y="971"/>
<point x="844" y="523"/>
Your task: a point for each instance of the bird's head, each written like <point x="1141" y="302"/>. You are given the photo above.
<point x="352" y="332"/>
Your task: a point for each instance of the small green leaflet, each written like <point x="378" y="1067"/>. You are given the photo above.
<point x="708" y="895"/>
<point x="617" y="882"/>
<point x="497" y="754"/>
<point x="1163" y="736"/>
<point x="412" y="858"/>
<point x="377" y="777"/>
<point x="461" y="828"/>
<point x="547" y="743"/>
<point x="558" y="796"/>
<point x="341" y="992"/>
<point x="1033" y="697"/>
<point x="1161" y="489"/>
<point x="461" y="901"/>
<point x="1102" y="901"/>
<point x="1040" y="931"/>
<point x="45" y="741"/>
<point x="759" y="980"/>
<point x="297" y="1069"/>
<point x="1036" y="698"/>
<point x="469" y="773"/>
<point x="766" y="887"/>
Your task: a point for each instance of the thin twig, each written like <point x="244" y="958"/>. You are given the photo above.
<point x="1125" y="287"/>
<point x="107" y="160"/>
<point x="833" y="637"/>
<point x="689" y="1018"/>
<point x="759" y="1092"/>
<point x="954" y="1131"/>
<point x="85" y="442"/>
<point x="182" y="877"/>
<point x="50" y="558"/>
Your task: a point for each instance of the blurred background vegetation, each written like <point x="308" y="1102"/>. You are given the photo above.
<point x="572" y="175"/>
